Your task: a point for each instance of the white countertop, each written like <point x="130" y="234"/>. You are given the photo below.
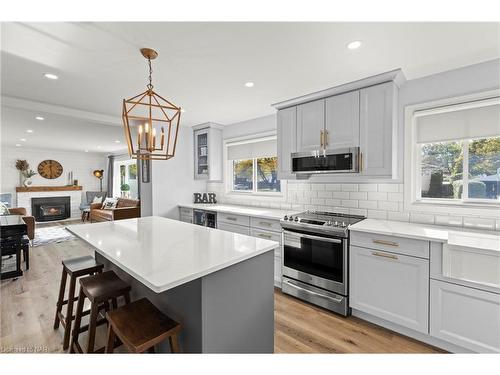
<point x="261" y="212"/>
<point x="488" y="240"/>
<point x="164" y="253"/>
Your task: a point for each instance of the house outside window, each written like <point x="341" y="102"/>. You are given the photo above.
<point x="454" y="154"/>
<point x="252" y="166"/>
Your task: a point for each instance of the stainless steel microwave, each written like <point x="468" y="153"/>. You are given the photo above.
<point x="344" y="160"/>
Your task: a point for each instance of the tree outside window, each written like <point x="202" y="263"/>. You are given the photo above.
<point x="256" y="175"/>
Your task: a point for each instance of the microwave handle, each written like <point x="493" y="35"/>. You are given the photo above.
<point x="311" y="237"/>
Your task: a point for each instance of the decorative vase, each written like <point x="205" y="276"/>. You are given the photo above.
<point x="27" y="182"/>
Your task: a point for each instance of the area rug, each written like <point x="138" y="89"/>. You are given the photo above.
<point x="49" y="235"/>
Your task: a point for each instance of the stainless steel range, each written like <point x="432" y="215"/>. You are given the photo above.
<point x="315" y="258"/>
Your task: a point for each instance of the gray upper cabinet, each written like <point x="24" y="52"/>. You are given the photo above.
<point x="377" y="129"/>
<point x="310" y="125"/>
<point x="342" y="120"/>
<point x="207" y="152"/>
<point x="287" y="140"/>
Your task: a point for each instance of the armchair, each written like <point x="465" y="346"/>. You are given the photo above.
<point x="29" y="220"/>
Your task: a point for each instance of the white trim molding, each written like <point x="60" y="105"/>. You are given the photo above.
<point x="412" y="161"/>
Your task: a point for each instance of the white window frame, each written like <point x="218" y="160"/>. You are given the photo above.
<point x="228" y="172"/>
<point x="412" y="173"/>
<point x="116" y="175"/>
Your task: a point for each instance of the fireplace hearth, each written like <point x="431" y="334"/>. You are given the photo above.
<point x="51" y="208"/>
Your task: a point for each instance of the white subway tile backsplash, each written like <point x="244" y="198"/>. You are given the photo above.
<point x="318" y="201"/>
<point x="388" y="206"/>
<point x="421" y="218"/>
<point x="357" y="211"/>
<point x="358" y="195"/>
<point x="388" y="188"/>
<point x="368" y="187"/>
<point x="395" y="197"/>
<point x="398" y="216"/>
<point x="376" y="214"/>
<point x="333" y="202"/>
<point x="479" y="223"/>
<point x="448" y="220"/>
<point x="377" y="196"/>
<point x="317" y="187"/>
<point x="350" y="187"/>
<point x="350" y="203"/>
<point x="333" y="187"/>
<point x="372" y="205"/>
<point x="340" y="194"/>
<point x="324" y="194"/>
<point x="310" y="194"/>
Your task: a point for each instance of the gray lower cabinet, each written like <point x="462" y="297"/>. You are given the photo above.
<point x="234" y="228"/>
<point x="465" y="316"/>
<point x="378" y="117"/>
<point x="390" y="286"/>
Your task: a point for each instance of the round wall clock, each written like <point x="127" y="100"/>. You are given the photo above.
<point x="50" y="169"/>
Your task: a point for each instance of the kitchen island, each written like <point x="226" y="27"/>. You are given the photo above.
<point x="217" y="284"/>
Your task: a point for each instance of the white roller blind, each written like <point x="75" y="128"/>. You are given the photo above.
<point x="250" y="150"/>
<point x="477" y="119"/>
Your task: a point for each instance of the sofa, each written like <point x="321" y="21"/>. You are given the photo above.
<point x="125" y="209"/>
<point x="29" y="220"/>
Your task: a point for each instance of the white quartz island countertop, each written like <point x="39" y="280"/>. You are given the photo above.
<point x="164" y="253"/>
<point x="262" y="212"/>
<point x="482" y="239"/>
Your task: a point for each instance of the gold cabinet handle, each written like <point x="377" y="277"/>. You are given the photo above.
<point x="268" y="236"/>
<point x="360" y="161"/>
<point x="321" y="138"/>
<point x="325" y="138"/>
<point x="265" y="223"/>
<point x="387" y="243"/>
<point x="231" y="218"/>
<point x="384" y="255"/>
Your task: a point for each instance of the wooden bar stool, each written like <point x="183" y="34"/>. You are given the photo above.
<point x="75" y="267"/>
<point x="100" y="289"/>
<point x="140" y="326"/>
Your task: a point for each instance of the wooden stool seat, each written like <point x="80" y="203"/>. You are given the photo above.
<point x="80" y="266"/>
<point x="140" y="326"/>
<point x="75" y="267"/>
<point x="100" y="289"/>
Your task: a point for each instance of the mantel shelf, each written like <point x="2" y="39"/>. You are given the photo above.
<point x="22" y="189"/>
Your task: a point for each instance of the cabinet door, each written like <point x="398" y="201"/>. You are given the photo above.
<point x="310" y="124"/>
<point x="465" y="316"/>
<point x="390" y="286"/>
<point x="201" y="154"/>
<point x="377" y="118"/>
<point x="342" y="120"/>
<point x="234" y="228"/>
<point x="287" y="140"/>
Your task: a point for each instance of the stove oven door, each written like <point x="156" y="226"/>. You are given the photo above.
<point x="315" y="259"/>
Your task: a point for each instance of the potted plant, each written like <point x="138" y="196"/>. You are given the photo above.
<point x="125" y="189"/>
<point x="21" y="166"/>
<point x="28" y="173"/>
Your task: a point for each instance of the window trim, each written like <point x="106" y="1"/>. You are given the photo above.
<point x="228" y="172"/>
<point x="412" y="175"/>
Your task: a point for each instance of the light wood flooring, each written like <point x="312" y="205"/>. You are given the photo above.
<point x="28" y="306"/>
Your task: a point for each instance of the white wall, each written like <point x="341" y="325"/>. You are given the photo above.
<point x="378" y="200"/>
<point x="81" y="163"/>
<point x="173" y="180"/>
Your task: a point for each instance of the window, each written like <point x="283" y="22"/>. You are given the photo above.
<point x="455" y="153"/>
<point x="253" y="166"/>
<point x="125" y="179"/>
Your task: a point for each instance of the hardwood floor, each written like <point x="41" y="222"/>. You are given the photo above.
<point x="28" y="307"/>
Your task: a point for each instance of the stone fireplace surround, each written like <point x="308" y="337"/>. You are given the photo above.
<point x="24" y="196"/>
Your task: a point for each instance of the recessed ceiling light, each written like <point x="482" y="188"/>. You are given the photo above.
<point x="249" y="84"/>
<point x="18" y="145"/>
<point x="23" y="139"/>
<point x="39" y="118"/>
<point x="86" y="150"/>
<point x="29" y="131"/>
<point x="98" y="146"/>
<point x="116" y="141"/>
<point x="355" y="44"/>
<point x="50" y="76"/>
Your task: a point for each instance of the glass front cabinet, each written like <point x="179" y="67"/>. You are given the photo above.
<point x="208" y="152"/>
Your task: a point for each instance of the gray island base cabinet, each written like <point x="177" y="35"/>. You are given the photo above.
<point x="229" y="311"/>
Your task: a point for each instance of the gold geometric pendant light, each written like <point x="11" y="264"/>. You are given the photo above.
<point x="151" y="122"/>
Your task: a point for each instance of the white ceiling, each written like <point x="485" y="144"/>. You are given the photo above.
<point x="202" y="67"/>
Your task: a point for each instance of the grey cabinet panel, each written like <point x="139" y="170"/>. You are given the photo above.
<point x="310" y="124"/>
<point x="342" y="120"/>
<point x="377" y="119"/>
<point x="287" y="140"/>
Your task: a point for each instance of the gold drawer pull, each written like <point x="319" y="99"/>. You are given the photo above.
<point x="265" y="235"/>
<point x="265" y="223"/>
<point x="384" y="255"/>
<point x="231" y="218"/>
<point x="388" y="243"/>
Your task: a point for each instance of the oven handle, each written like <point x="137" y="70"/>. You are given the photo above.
<point x="311" y="237"/>
<point x="337" y="300"/>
